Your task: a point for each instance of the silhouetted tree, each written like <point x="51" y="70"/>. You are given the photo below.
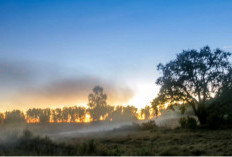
<point x="130" y="113"/>
<point x="15" y="116"/>
<point x="76" y="113"/>
<point x="44" y="116"/>
<point x="57" y="115"/>
<point x="81" y="112"/>
<point x="1" y="118"/>
<point x="146" y="112"/>
<point x="155" y="107"/>
<point x="116" y="114"/>
<point x="72" y="113"/>
<point x="192" y="79"/>
<point x="33" y="113"/>
<point x="65" y="114"/>
<point x="109" y="110"/>
<point x="97" y="103"/>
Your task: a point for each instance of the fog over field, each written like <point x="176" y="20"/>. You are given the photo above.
<point x="59" y="131"/>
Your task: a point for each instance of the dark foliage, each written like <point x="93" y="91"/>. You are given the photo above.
<point x="220" y="109"/>
<point x="188" y="123"/>
<point x="148" y="125"/>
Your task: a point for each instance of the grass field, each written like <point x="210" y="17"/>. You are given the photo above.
<point x="127" y="140"/>
<point x="166" y="142"/>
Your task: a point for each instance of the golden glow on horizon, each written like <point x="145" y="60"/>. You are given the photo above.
<point x="152" y="114"/>
<point x="144" y="95"/>
<point x="140" y="115"/>
<point x="104" y="117"/>
<point x="87" y="118"/>
<point x="32" y="120"/>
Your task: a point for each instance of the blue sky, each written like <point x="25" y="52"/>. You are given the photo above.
<point x="118" y="41"/>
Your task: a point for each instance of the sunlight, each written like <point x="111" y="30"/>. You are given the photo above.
<point x="77" y="120"/>
<point x="165" y="106"/>
<point x="152" y="113"/>
<point x="144" y="95"/>
<point x="33" y="120"/>
<point x="87" y="118"/>
<point x="140" y="115"/>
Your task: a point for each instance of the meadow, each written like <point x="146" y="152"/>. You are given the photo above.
<point x="127" y="139"/>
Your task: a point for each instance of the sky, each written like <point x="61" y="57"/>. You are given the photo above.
<point x="53" y="52"/>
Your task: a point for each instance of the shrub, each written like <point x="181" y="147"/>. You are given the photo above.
<point x="219" y="115"/>
<point x="148" y="125"/>
<point x="188" y="123"/>
<point x="214" y="121"/>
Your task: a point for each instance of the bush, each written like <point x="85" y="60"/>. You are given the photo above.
<point x="148" y="125"/>
<point x="216" y="121"/>
<point x="219" y="116"/>
<point x="188" y="123"/>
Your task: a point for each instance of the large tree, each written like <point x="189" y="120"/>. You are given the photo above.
<point x="192" y="79"/>
<point x="97" y="103"/>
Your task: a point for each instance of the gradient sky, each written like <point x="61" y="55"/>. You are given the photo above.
<point x="52" y="53"/>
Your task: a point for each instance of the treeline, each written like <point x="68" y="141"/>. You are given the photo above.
<point x="98" y="110"/>
<point x="76" y="115"/>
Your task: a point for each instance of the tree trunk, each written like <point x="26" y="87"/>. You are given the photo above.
<point x="201" y="114"/>
<point x="202" y="118"/>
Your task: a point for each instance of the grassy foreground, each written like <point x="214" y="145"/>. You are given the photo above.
<point x="157" y="141"/>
